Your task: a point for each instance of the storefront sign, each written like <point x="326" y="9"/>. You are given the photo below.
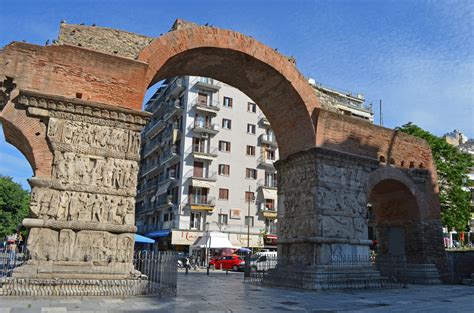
<point x="179" y="237"/>
<point x="240" y="240"/>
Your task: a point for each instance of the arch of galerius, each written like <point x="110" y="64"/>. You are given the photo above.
<point x="74" y="110"/>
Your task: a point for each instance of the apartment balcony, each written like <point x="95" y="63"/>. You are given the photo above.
<point x="176" y="87"/>
<point x="203" y="153"/>
<point x="263" y="120"/>
<point x="267" y="184"/>
<point x="150" y="169"/>
<point x="201" y="203"/>
<point x="206" y="179"/>
<point x="170" y="156"/>
<point x="165" y="204"/>
<point x="205" y="128"/>
<point x="206" y="106"/>
<point x="267" y="212"/>
<point x="155" y="129"/>
<point x="174" y="109"/>
<point x="207" y="84"/>
<point x="268" y="140"/>
<point x="266" y="163"/>
<point x="151" y="148"/>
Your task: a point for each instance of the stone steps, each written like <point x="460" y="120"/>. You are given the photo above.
<point x="468" y="281"/>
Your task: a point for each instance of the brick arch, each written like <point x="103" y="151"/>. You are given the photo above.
<point x="387" y="174"/>
<point x="28" y="135"/>
<point x="263" y="74"/>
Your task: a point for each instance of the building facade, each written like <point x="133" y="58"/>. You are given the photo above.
<point x="207" y="164"/>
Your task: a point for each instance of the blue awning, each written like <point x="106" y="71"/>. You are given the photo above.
<point x="159" y="233"/>
<point x="143" y="239"/>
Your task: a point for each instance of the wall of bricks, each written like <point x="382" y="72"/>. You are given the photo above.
<point x="102" y="39"/>
<point x="75" y="72"/>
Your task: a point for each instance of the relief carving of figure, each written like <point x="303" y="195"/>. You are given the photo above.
<point x="53" y="205"/>
<point x="66" y="244"/>
<point x="63" y="206"/>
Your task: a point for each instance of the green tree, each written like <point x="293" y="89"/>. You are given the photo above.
<point x="14" y="205"/>
<point x="452" y="167"/>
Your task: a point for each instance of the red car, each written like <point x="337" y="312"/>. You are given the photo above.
<point x="228" y="262"/>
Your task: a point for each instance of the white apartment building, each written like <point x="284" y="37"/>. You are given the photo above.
<point x="207" y="164"/>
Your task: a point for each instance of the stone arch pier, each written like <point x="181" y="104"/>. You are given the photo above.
<point x="74" y="110"/>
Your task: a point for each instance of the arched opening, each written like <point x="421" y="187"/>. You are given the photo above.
<point x="206" y="166"/>
<point x="394" y="213"/>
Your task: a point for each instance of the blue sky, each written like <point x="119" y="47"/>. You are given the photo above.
<point x="417" y="56"/>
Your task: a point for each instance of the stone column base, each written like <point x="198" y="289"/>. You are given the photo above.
<point x="325" y="277"/>
<point x="82" y="287"/>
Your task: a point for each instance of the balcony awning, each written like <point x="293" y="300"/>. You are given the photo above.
<point x="163" y="188"/>
<point x="203" y="183"/>
<point x="213" y="240"/>
<point x="269" y="193"/>
<point x="159" y="233"/>
<point x="143" y="239"/>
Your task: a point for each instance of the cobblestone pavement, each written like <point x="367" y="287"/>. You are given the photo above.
<point x="219" y="292"/>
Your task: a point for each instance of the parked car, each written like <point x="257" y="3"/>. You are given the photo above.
<point x="228" y="262"/>
<point x="263" y="262"/>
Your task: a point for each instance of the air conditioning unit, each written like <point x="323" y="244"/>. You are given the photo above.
<point x="204" y="135"/>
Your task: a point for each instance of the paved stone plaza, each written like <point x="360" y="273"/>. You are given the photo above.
<point x="227" y="293"/>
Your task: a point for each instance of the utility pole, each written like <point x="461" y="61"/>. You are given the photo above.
<point x="381" y="115"/>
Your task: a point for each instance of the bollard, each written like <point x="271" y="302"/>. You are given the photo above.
<point x="227" y="271"/>
<point x="186" y="270"/>
<point x="208" y="271"/>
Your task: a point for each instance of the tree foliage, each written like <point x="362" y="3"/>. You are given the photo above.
<point x="452" y="167"/>
<point x="14" y="205"/>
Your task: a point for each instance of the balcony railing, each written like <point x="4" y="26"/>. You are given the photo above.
<point x="170" y="155"/>
<point x="207" y="83"/>
<point x="206" y="106"/>
<point x="200" y="151"/>
<point x="268" y="140"/>
<point x="202" y="127"/>
<point x="155" y="129"/>
<point x="173" y="108"/>
<point x="176" y="87"/>
<point x="201" y="200"/>
<point x="265" y="162"/>
<point x="205" y="175"/>
<point x="267" y="183"/>
<point x="263" y="119"/>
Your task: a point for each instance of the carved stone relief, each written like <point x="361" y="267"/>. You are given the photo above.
<point x="70" y="169"/>
<point x="95" y="136"/>
<point x="79" y="206"/>
<point x="43" y="244"/>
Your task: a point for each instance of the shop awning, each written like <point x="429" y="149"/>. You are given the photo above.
<point x="269" y="193"/>
<point x="143" y="239"/>
<point x="213" y="240"/>
<point x="159" y="233"/>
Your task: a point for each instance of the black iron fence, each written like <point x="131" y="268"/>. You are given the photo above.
<point x="155" y="274"/>
<point x="347" y="272"/>
<point x="160" y="270"/>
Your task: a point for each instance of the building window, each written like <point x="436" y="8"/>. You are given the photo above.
<point x="224" y="146"/>
<point x="270" y="204"/>
<point x="249" y="196"/>
<point x="251" y="150"/>
<point x="223" y="219"/>
<point x="196" y="220"/>
<point x="223" y="194"/>
<point x="224" y="169"/>
<point x="251" y="173"/>
<point x="249" y="220"/>
<point x="251" y="107"/>
<point x="251" y="128"/>
<point x="227" y="102"/>
<point x="226" y="123"/>
<point x="270" y="155"/>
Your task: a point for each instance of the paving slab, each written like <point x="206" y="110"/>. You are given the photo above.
<point x="218" y="292"/>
